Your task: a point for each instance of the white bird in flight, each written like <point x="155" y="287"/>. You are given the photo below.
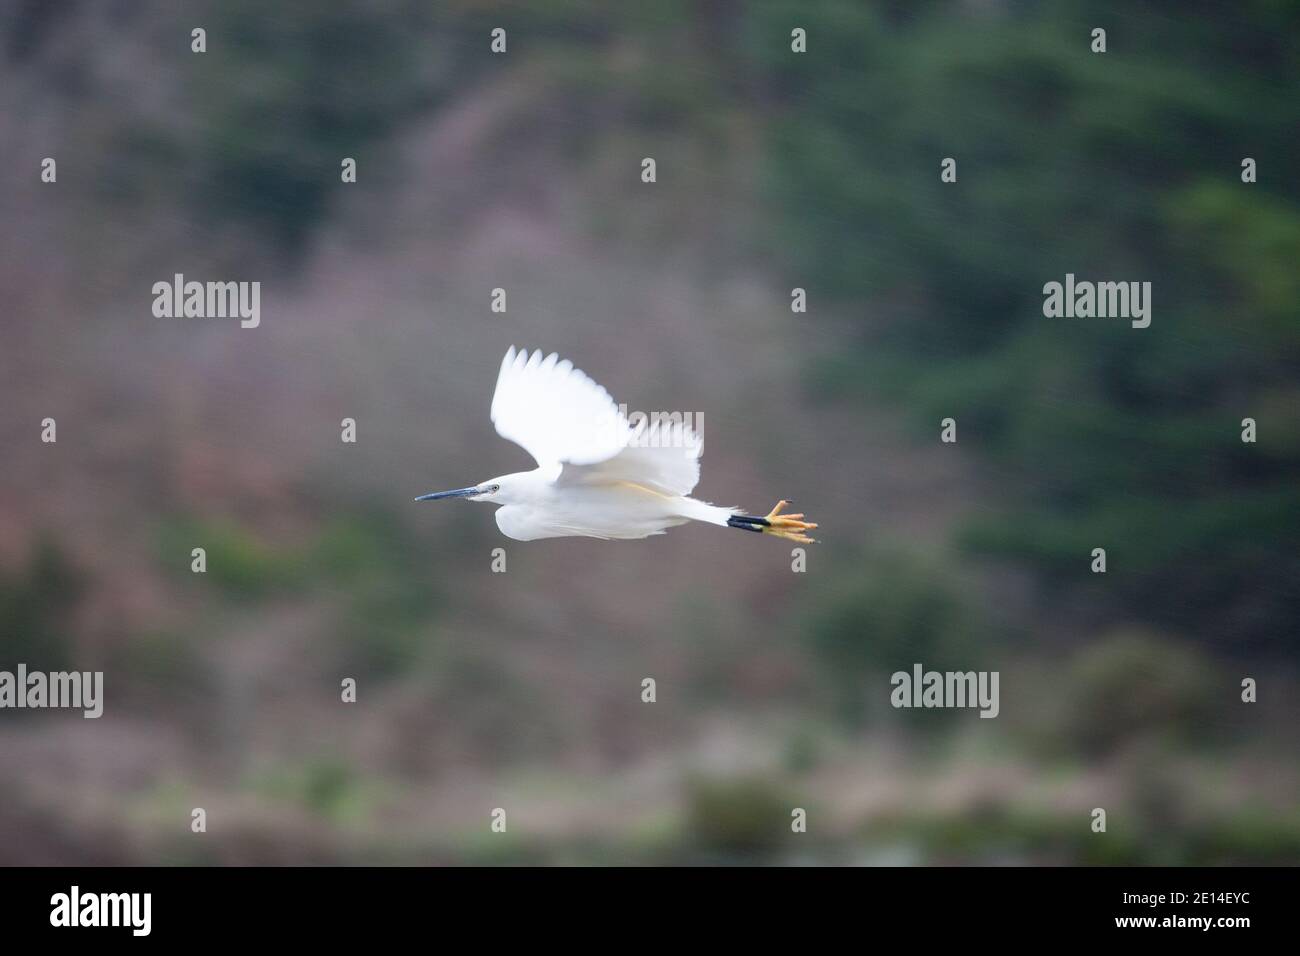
<point x="597" y="476"/>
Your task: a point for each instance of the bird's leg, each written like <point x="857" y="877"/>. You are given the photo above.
<point x="790" y="527"/>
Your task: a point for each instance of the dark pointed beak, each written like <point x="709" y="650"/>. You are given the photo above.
<point x="457" y="493"/>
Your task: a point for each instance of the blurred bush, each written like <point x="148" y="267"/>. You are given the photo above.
<point x="883" y="612"/>
<point x="737" y="817"/>
<point x="368" y="565"/>
<point x="1133" y="687"/>
<point x="237" y="559"/>
<point x="37" y="602"/>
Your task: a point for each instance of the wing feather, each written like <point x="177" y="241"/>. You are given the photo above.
<point x="663" y="456"/>
<point x="555" y="412"/>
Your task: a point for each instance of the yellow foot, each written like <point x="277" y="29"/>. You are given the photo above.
<point x="790" y="527"/>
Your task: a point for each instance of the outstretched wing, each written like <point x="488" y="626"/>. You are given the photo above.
<point x="555" y="412"/>
<point x="663" y="456"/>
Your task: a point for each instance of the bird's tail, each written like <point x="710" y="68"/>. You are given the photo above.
<point x="703" y="511"/>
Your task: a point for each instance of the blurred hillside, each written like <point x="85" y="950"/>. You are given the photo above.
<point x="479" y="690"/>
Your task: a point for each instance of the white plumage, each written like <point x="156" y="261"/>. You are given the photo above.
<point x="597" y="476"/>
<point x="555" y="412"/>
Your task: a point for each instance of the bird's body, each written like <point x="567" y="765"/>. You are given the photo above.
<point x="597" y="475"/>
<point x="620" y="509"/>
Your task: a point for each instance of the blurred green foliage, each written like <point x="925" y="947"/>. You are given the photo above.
<point x="324" y="786"/>
<point x="1131" y="687"/>
<point x="285" y="96"/>
<point x="36" y="603"/>
<point x="389" y="586"/>
<point x="237" y="559"/>
<point x="1121" y="166"/>
<point x="883" y="612"/>
<point x="289" y="93"/>
<point x="739" y="817"/>
<point x="367" y="562"/>
<point x="1000" y="833"/>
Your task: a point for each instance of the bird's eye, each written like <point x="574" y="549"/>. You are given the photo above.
<point x="493" y="489"/>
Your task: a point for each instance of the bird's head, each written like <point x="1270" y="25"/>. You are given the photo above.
<point x="497" y="490"/>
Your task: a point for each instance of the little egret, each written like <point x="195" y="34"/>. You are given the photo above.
<point x="597" y="476"/>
